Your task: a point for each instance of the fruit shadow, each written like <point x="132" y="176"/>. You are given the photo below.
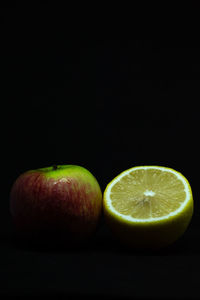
<point x="104" y="242"/>
<point x="186" y="245"/>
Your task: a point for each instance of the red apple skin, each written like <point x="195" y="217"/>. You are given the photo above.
<point x="67" y="207"/>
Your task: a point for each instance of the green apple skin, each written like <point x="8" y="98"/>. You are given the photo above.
<point x="63" y="201"/>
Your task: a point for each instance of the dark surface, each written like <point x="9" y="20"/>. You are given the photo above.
<point x="108" y="105"/>
<point x="102" y="268"/>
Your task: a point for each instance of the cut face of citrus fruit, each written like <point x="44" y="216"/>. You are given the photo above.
<point x="148" y="206"/>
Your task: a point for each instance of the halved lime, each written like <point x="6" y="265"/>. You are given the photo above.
<point x="148" y="206"/>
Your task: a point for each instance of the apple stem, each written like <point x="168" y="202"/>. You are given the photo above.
<point x="55" y="167"/>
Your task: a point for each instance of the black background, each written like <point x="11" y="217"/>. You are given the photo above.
<point x="108" y="104"/>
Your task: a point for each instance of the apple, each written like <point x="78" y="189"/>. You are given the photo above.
<point x="61" y="201"/>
